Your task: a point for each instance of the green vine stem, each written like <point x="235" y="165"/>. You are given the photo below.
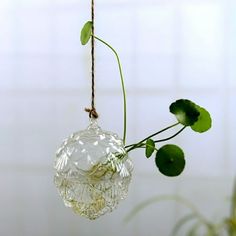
<point x="122" y="83"/>
<point x="144" y="145"/>
<point x="166" y="139"/>
<point x="136" y="145"/>
<point x="141" y="144"/>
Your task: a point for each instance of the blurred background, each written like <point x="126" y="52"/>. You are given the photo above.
<point x="170" y="49"/>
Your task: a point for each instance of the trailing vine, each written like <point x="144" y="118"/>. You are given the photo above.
<point x="169" y="159"/>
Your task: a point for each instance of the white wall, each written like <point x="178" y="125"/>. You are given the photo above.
<point x="169" y="49"/>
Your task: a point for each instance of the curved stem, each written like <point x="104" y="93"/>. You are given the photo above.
<point x="152" y="135"/>
<point x="166" y="139"/>
<point x="143" y="145"/>
<point x="133" y="146"/>
<point x="122" y="83"/>
<point x="139" y="145"/>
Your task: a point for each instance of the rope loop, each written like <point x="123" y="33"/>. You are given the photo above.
<point x="92" y="113"/>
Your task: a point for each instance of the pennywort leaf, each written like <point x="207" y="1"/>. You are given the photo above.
<point x="170" y="160"/>
<point x="204" y="121"/>
<point x="185" y="111"/>
<point x="86" y="32"/>
<point x="150" y="148"/>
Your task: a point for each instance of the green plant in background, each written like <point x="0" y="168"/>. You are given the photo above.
<point x="199" y="225"/>
<point x="169" y="158"/>
<point x="231" y="221"/>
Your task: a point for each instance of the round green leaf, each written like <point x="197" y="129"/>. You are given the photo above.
<point x="185" y="111"/>
<point x="204" y="121"/>
<point x="86" y="32"/>
<point x="150" y="147"/>
<point x="170" y="160"/>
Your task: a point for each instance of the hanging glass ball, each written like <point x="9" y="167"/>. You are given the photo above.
<point x="93" y="171"/>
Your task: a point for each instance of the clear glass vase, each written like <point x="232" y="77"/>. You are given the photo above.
<point x="93" y="171"/>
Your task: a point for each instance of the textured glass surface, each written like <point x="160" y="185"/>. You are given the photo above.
<point x="93" y="171"/>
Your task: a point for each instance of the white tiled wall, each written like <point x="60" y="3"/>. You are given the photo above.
<point x="169" y="49"/>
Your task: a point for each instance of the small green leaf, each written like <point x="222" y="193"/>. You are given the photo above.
<point x="150" y="147"/>
<point x="170" y="160"/>
<point x="86" y="32"/>
<point x="185" y="111"/>
<point x="204" y="121"/>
